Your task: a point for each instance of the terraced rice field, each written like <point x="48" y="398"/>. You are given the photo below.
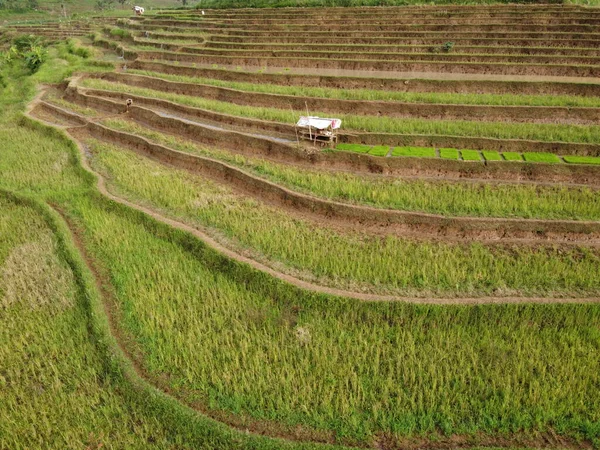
<point x="431" y="280"/>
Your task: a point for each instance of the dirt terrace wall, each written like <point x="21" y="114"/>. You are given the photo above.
<point x="419" y="39"/>
<point x="402" y="48"/>
<point x="376" y="65"/>
<point x="386" y="84"/>
<point x="423" y="55"/>
<point x="393" y="221"/>
<point x="367" y="108"/>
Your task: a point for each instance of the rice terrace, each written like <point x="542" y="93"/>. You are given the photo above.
<point x="299" y="224"/>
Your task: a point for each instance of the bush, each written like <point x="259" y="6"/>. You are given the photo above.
<point x="34" y="58"/>
<point x="73" y="49"/>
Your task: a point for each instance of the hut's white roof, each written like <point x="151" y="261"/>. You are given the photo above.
<point x="319" y="123"/>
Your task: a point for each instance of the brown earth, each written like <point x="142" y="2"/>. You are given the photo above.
<point x="378" y="65"/>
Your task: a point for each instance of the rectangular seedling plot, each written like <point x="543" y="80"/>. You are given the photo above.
<point x="548" y="158"/>
<point x="470" y="155"/>
<point x="512" y="156"/>
<point x="582" y="159"/>
<point x="379" y="150"/>
<point x="420" y="152"/>
<point x="357" y="148"/>
<point x="491" y="156"/>
<point x="448" y="153"/>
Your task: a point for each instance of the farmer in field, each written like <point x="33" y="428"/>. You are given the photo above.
<point x="138" y="10"/>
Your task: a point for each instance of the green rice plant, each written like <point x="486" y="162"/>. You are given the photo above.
<point x="549" y="158"/>
<point x="379" y="150"/>
<point x="470" y="155"/>
<point x="357" y="148"/>
<point x="512" y="156"/>
<point x="448" y="153"/>
<point x="491" y="156"/>
<point x="375" y="124"/>
<point x="303" y="247"/>
<point x="572" y="159"/>
<point x="420" y="152"/>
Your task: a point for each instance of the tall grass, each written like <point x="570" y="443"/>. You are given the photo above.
<point x="250" y="346"/>
<point x="499" y="130"/>
<point x="451" y="198"/>
<point x="370" y="94"/>
<point x="53" y="384"/>
<point x="371" y="263"/>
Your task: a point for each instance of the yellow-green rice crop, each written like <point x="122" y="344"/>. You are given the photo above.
<point x="54" y="389"/>
<point x="388" y="264"/>
<point x="238" y="341"/>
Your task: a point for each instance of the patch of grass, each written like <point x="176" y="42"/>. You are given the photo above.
<point x="549" y="158"/>
<point x="448" y="153"/>
<point x="357" y="148"/>
<point x="379" y="150"/>
<point x="512" y="156"/>
<point x="491" y="156"/>
<point x="470" y="155"/>
<point x="581" y="159"/>
<point x="420" y="152"/>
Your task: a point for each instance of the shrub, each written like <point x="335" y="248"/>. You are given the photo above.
<point x="34" y="58"/>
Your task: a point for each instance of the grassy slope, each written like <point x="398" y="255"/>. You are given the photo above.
<point x="71" y="391"/>
<point x="59" y="395"/>
<point x="340" y="365"/>
<point x="390" y="264"/>
<point x="512" y="367"/>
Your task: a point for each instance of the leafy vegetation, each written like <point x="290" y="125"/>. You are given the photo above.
<point x="581" y="159"/>
<point x="449" y="153"/>
<point x="512" y="156"/>
<point x="491" y="156"/>
<point x="379" y="150"/>
<point x="470" y="155"/>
